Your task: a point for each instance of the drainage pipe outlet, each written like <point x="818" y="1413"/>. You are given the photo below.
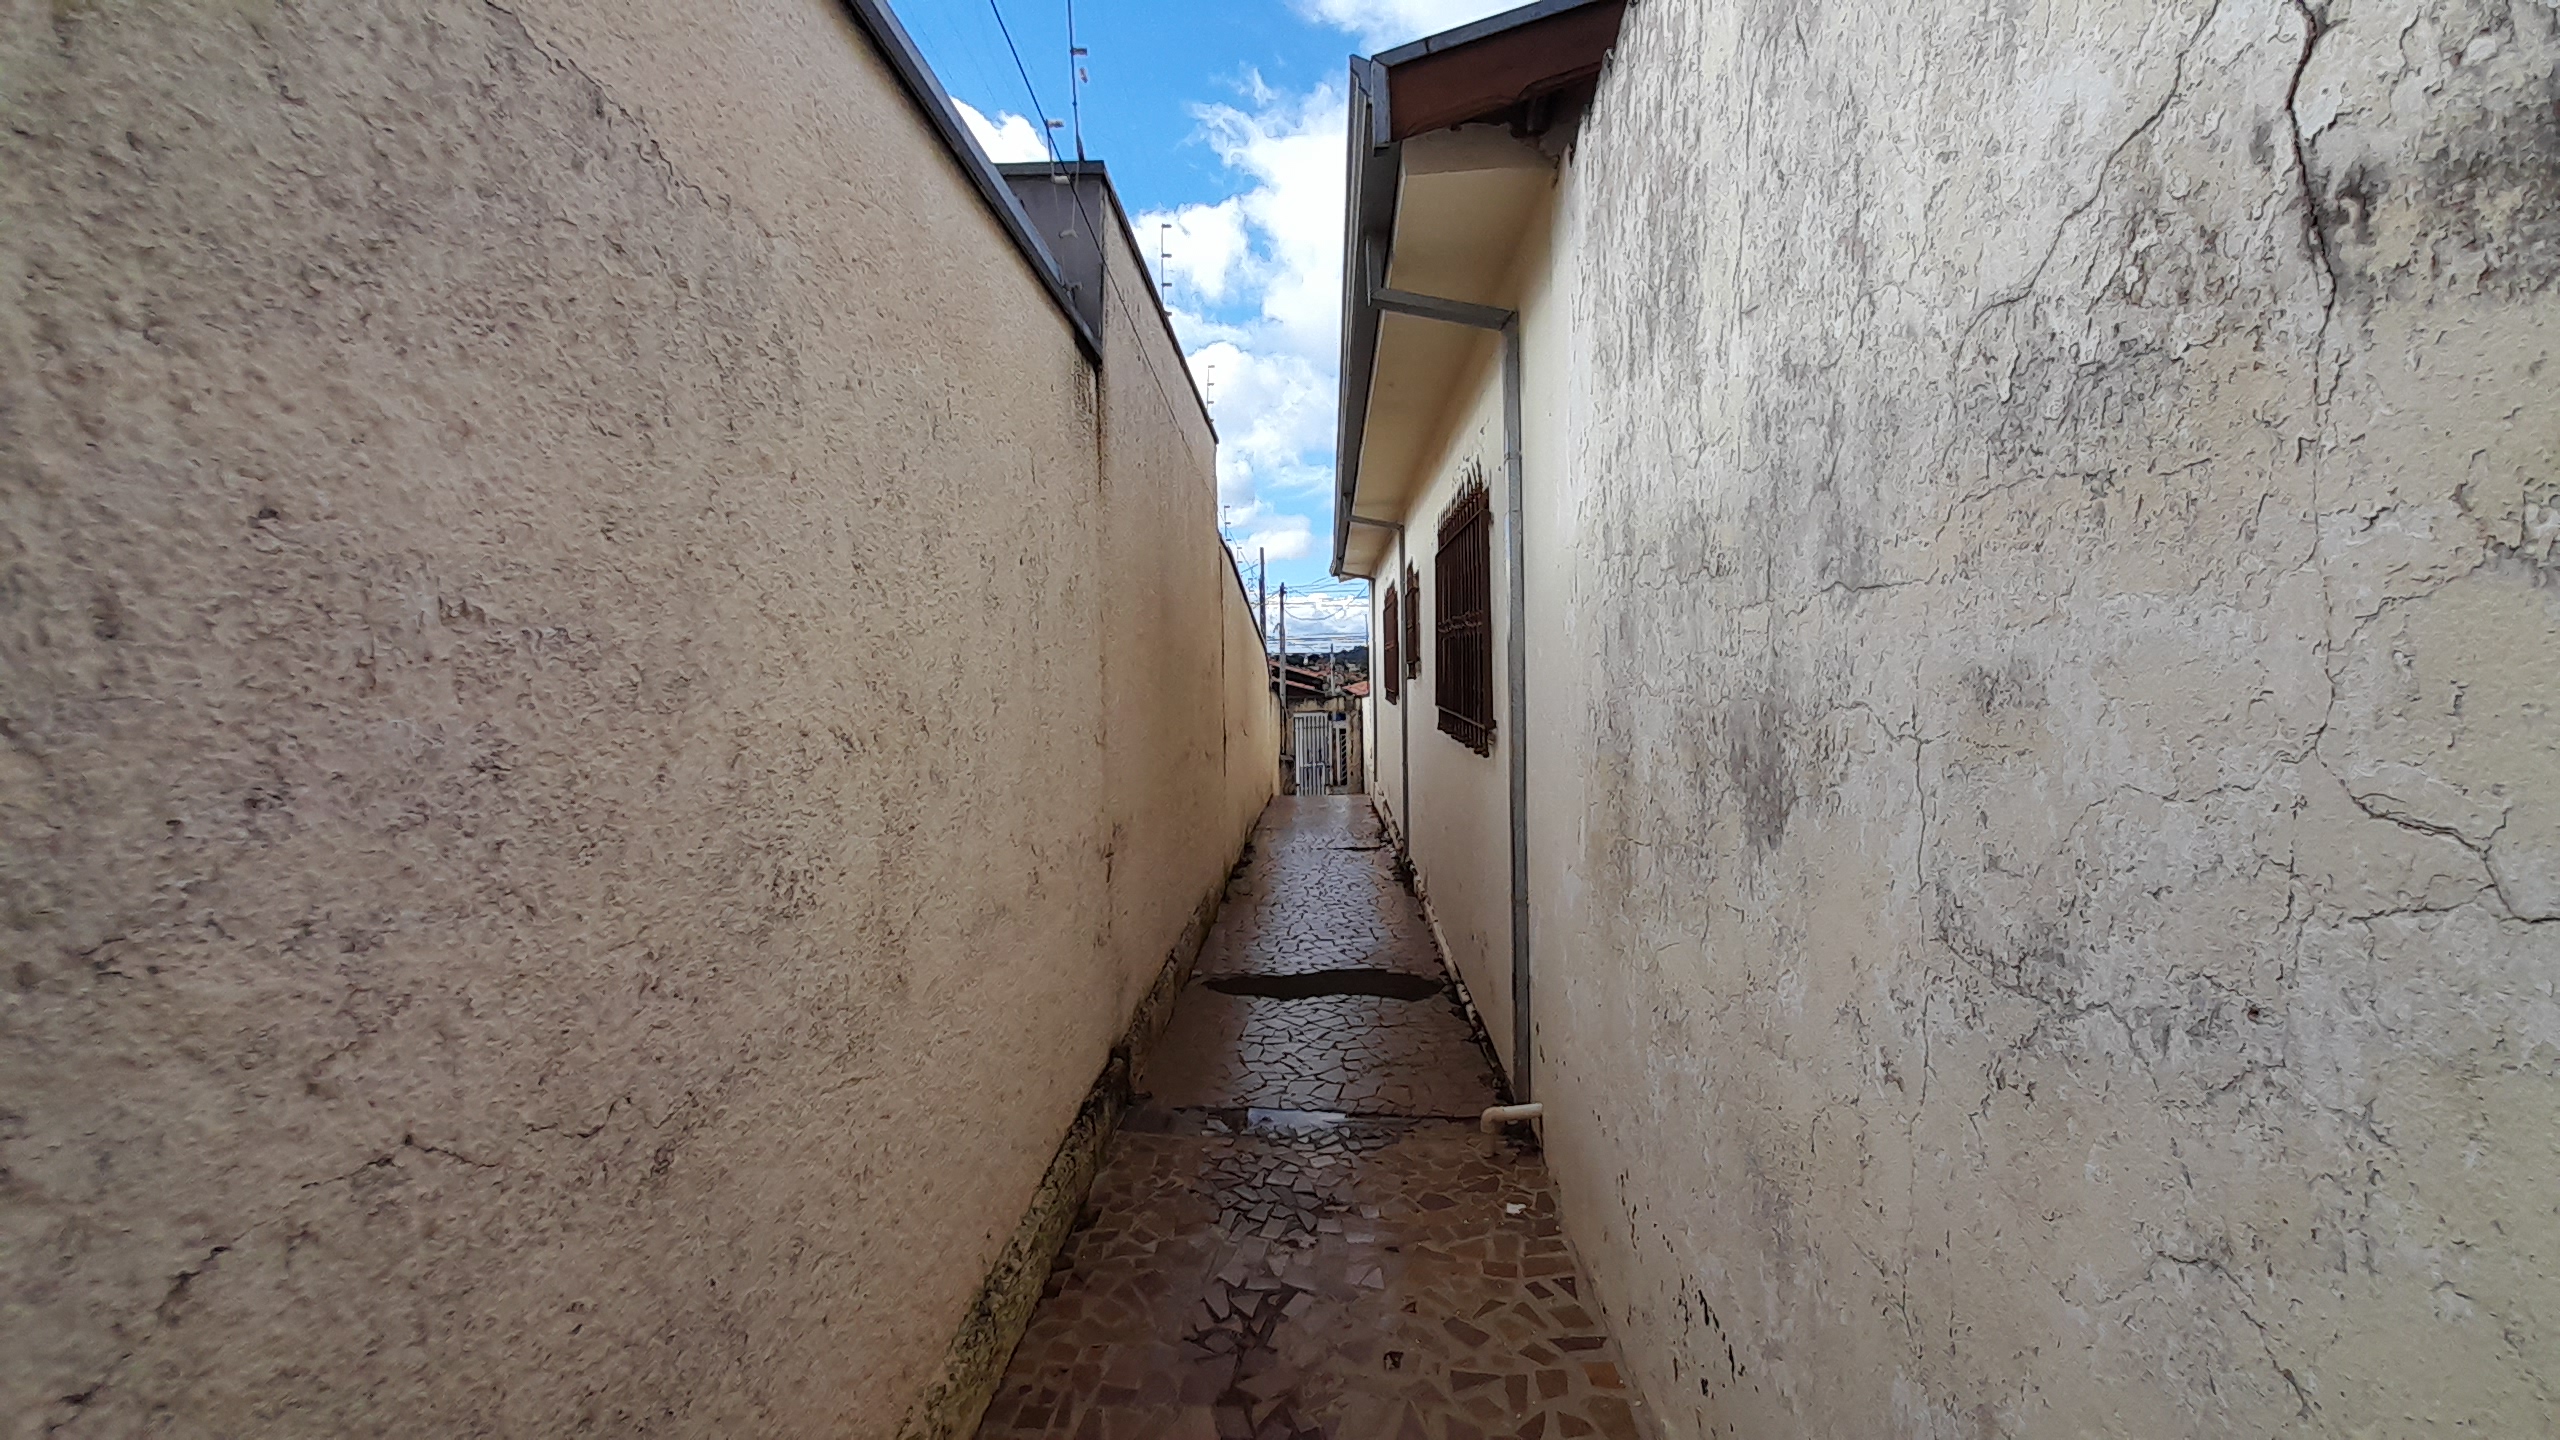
<point x="1497" y="1116"/>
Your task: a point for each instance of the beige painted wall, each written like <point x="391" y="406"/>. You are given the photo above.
<point x="1460" y="842"/>
<point x="1194" y="731"/>
<point x="1461" y="839"/>
<point x="2046" y="859"/>
<point x="570" y="747"/>
<point x="1252" y="710"/>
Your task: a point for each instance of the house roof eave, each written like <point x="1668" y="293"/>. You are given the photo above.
<point x="1470" y="72"/>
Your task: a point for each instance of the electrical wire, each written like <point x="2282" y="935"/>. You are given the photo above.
<point x="1039" y="112"/>
<point x="1057" y="169"/>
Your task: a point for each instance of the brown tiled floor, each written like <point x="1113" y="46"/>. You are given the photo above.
<point x="1301" y="1233"/>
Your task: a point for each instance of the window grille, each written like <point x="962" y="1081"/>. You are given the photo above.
<point x="1412" y="624"/>
<point x="1391" y="672"/>
<point x="1462" y="599"/>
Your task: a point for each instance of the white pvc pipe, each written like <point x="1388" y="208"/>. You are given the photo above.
<point x="1497" y="1116"/>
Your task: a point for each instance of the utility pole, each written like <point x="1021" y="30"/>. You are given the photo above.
<point x="1332" y="698"/>
<point x="1262" y="586"/>
<point x="1288" y="745"/>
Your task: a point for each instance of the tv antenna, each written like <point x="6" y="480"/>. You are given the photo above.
<point x="1076" y="80"/>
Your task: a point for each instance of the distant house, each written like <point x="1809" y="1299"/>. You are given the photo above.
<point x="1322" y="744"/>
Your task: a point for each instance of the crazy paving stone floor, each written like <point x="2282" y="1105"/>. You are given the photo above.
<point x="1299" y="1231"/>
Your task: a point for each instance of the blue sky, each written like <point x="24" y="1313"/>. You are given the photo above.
<point x="1221" y="121"/>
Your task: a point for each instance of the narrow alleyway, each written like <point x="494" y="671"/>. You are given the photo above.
<point x="1300" y="1231"/>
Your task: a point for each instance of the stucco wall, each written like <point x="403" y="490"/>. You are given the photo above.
<point x="1167" y="667"/>
<point x="560" y="717"/>
<point x="1252" y="718"/>
<point x="2048" y="917"/>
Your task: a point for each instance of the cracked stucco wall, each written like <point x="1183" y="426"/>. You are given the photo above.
<point x="556" y="850"/>
<point x="2049" y="858"/>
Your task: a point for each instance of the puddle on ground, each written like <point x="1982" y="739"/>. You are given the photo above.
<point x="1389" y="984"/>
<point x="1275" y="1124"/>
<point x="1300" y="1231"/>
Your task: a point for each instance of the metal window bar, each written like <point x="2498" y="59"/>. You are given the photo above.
<point x="1462" y="682"/>
<point x="1412" y="624"/>
<point x="1392" y="672"/>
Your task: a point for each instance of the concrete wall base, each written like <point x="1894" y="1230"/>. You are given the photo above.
<point x="975" y="1363"/>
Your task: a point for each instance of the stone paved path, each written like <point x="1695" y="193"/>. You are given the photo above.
<point x="1300" y="1232"/>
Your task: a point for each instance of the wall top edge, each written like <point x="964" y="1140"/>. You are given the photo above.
<point x="880" y="24"/>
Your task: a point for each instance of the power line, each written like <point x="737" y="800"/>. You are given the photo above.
<point x="1075" y="193"/>
<point x="1039" y="111"/>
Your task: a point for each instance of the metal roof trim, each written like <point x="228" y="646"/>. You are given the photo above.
<point x="1491" y="25"/>
<point x="1376" y="172"/>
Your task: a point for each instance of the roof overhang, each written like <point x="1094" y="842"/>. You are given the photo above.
<point x="1447" y="170"/>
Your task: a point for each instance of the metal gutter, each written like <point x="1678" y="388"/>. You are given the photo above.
<point x="1516" y="633"/>
<point x="876" y="21"/>
<point x="1376" y="164"/>
<point x="1376" y="169"/>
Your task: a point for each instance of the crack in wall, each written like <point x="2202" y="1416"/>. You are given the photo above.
<point x="2304" y="1404"/>
<point x="169" y="1312"/>
<point x="650" y="150"/>
<point x="2098" y="185"/>
<point x="2315" y="229"/>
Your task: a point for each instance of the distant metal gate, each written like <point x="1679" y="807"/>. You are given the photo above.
<point x="1311" y="736"/>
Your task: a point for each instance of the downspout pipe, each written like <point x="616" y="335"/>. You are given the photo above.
<point x="1404" y="707"/>
<point x="1516" y="651"/>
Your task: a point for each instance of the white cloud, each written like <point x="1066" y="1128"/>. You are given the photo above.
<point x="1203" y="248"/>
<point x="1275" y="420"/>
<point x="1382" y="24"/>
<point x="1274" y="537"/>
<point x="1009" y="139"/>
<point x="1256" y="289"/>
<point x="1293" y="151"/>
<point x="1281" y="239"/>
<point x="1336" y="615"/>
